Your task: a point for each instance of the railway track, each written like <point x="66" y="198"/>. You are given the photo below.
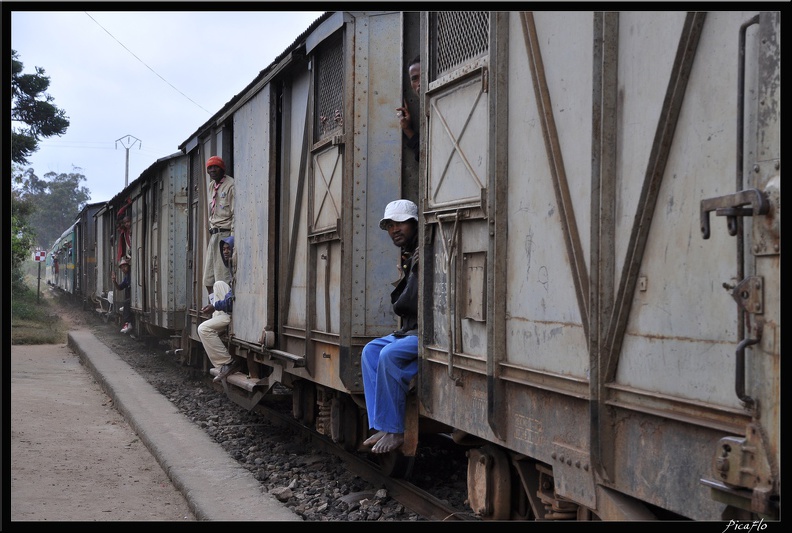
<point x="279" y="438"/>
<point x="421" y="502"/>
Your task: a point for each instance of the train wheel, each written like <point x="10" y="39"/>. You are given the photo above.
<point x="489" y="483"/>
<point x="345" y="423"/>
<point x="395" y="464"/>
<point x="304" y="402"/>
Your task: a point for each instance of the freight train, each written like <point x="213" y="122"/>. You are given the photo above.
<point x="599" y="201"/>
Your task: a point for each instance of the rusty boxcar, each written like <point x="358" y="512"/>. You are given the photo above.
<point x="600" y="224"/>
<point x="599" y="205"/>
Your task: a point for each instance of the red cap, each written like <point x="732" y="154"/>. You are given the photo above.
<point x="214" y="160"/>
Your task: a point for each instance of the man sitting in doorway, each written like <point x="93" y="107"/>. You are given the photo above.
<point x="220" y="305"/>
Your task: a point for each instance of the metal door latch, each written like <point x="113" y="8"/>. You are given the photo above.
<point x="731" y="206"/>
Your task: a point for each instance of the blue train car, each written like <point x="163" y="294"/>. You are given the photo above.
<point x="63" y="263"/>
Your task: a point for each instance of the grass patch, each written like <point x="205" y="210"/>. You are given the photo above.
<point x="34" y="319"/>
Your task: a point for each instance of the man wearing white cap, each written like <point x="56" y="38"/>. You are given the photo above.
<point x="390" y="362"/>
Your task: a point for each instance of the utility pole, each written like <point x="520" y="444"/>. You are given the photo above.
<point x="128" y="141"/>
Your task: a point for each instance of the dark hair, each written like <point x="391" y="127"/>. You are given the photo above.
<point x="416" y="61"/>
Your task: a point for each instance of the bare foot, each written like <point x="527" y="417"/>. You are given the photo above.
<point x="372" y="440"/>
<point x="388" y="443"/>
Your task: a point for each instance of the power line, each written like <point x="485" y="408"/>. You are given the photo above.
<point x="93" y="145"/>
<point x="144" y="63"/>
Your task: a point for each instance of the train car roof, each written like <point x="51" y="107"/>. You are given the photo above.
<point x="134" y="183"/>
<point x="298" y="43"/>
<point x="95" y="207"/>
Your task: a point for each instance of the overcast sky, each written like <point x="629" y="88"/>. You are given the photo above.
<point x="143" y="80"/>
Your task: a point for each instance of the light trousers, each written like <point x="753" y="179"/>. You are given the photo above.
<point x="209" y="330"/>
<point x="214" y="268"/>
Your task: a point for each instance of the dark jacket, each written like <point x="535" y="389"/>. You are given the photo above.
<point x="414" y="143"/>
<point x="226" y="304"/>
<point x="405" y="296"/>
<point x="125" y="287"/>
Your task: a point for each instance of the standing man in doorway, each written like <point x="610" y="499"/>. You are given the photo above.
<point x="221" y="222"/>
<point x="403" y="113"/>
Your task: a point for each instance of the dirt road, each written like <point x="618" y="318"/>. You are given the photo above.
<point x="73" y="456"/>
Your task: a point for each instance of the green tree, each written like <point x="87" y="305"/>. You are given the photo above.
<point x="22" y="234"/>
<point x="57" y="200"/>
<point x="33" y="114"/>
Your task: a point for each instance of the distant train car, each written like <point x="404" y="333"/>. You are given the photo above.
<point x="71" y="260"/>
<point x="147" y="224"/>
<point x="164" y="238"/>
<point x="105" y="260"/>
<point x="86" y="256"/>
<point x="63" y="263"/>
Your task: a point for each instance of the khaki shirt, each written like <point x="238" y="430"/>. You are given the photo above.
<point x="223" y="216"/>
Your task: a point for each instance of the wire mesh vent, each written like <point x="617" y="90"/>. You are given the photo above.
<point x="329" y="117"/>
<point x="460" y="36"/>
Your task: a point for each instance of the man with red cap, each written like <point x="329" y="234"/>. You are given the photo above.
<point x="221" y="221"/>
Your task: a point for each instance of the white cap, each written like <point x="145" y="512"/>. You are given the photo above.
<point x="399" y="211"/>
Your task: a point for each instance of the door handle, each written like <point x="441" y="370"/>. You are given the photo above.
<point x="732" y="206"/>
